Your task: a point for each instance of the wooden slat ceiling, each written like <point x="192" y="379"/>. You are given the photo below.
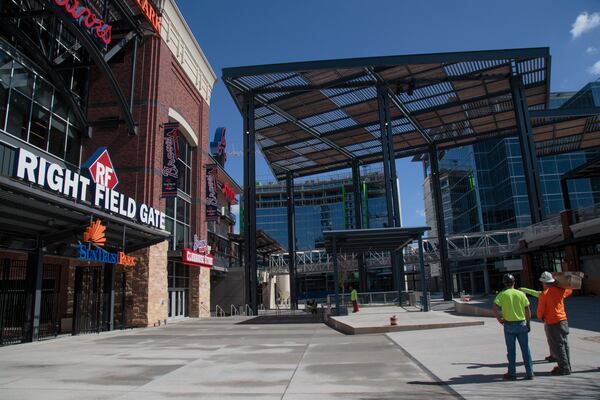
<point x="302" y="114"/>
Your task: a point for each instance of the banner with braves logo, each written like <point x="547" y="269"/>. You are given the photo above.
<point x="170" y="170"/>
<point x="212" y="207"/>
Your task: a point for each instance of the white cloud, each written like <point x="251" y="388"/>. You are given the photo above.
<point x="585" y="22"/>
<point x="595" y="69"/>
<point x="591" y="50"/>
<point x="420" y="212"/>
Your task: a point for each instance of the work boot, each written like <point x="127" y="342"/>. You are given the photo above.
<point x="559" y="371"/>
<point x="509" y="377"/>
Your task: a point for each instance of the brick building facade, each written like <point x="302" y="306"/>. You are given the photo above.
<point x="62" y="101"/>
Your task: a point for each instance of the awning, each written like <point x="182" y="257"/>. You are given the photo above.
<point x="28" y="213"/>
<point x="377" y="239"/>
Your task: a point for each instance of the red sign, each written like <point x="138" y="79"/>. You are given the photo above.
<point x="228" y="192"/>
<point x="192" y="258"/>
<point x="87" y="19"/>
<point x="102" y="169"/>
<point x="150" y="14"/>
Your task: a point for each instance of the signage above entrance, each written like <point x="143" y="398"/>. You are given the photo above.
<point x="101" y="169"/>
<point x="150" y="14"/>
<point x="86" y="19"/>
<point x="192" y="258"/>
<point x="71" y="184"/>
<point x="95" y="235"/>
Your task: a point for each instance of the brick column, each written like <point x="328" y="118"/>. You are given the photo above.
<point x="199" y="292"/>
<point x="149" y="286"/>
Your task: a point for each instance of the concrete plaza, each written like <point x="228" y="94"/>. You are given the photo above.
<point x="237" y="358"/>
<point x="215" y="359"/>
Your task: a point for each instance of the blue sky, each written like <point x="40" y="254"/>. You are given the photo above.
<point x="235" y="33"/>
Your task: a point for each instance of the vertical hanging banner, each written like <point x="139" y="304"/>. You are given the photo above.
<point x="212" y="206"/>
<point x="170" y="170"/>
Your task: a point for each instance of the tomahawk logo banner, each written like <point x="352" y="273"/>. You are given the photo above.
<point x="212" y="206"/>
<point x="170" y="170"/>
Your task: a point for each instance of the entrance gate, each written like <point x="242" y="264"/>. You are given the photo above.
<point x="14" y="287"/>
<point x="87" y="301"/>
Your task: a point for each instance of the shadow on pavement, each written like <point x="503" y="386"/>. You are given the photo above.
<point x="497" y="365"/>
<point x="283" y="319"/>
<point x="488" y="378"/>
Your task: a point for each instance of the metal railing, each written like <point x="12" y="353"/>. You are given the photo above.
<point x="460" y="247"/>
<point x="547" y="225"/>
<point x="248" y="310"/>
<point x="367" y="298"/>
<point x="586" y="214"/>
<point x="219" y="312"/>
<point x="233" y="311"/>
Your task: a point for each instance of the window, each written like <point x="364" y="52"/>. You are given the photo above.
<point x="179" y="209"/>
<point x="31" y="110"/>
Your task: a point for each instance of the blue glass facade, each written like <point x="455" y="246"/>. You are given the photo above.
<point x="483" y="185"/>
<point x="320" y="206"/>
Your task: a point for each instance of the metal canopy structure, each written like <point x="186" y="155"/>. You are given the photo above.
<point x="315" y="117"/>
<point x="590" y="169"/>
<point x="378" y="239"/>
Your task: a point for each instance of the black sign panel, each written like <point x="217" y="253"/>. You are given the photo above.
<point x="170" y="170"/>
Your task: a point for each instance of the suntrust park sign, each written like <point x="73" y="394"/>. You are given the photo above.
<point x="98" y="188"/>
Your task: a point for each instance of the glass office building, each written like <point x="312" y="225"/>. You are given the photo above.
<point x="320" y="205"/>
<point x="323" y="204"/>
<point x="484" y="189"/>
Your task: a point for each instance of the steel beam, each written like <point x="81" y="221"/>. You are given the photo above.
<point x="34" y="276"/>
<point x="564" y="188"/>
<point x="250" y="202"/>
<point x="291" y="222"/>
<point x="439" y="221"/>
<point x="528" y="152"/>
<point x="336" y="278"/>
<point x="108" y="294"/>
<point x="358" y="224"/>
<point x="389" y="175"/>
<point x="424" y="284"/>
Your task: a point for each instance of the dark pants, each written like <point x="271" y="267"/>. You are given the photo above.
<point x="557" y="335"/>
<point x="355" y="307"/>
<point x="513" y="332"/>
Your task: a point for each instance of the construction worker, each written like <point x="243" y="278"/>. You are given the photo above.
<point x="354" y="299"/>
<point x="551" y="310"/>
<point x="515" y="317"/>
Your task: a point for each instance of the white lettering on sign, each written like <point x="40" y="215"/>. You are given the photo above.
<point x="191" y="257"/>
<point x="39" y="171"/>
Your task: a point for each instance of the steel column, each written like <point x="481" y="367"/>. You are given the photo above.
<point x="336" y="278"/>
<point x="133" y="68"/>
<point x="108" y="297"/>
<point x="389" y="176"/>
<point x="34" y="276"/>
<point x="528" y="154"/>
<point x="564" y="188"/>
<point x="250" y="201"/>
<point x="424" y="284"/>
<point x="358" y="223"/>
<point x="291" y="222"/>
<point x="439" y="221"/>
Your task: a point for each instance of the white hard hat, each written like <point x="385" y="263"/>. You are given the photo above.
<point x="547" y="277"/>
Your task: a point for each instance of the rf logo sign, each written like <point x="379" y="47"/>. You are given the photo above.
<point x="101" y="169"/>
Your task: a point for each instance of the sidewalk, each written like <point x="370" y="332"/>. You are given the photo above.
<point x="472" y="361"/>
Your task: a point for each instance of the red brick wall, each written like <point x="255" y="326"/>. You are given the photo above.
<point x="160" y="84"/>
